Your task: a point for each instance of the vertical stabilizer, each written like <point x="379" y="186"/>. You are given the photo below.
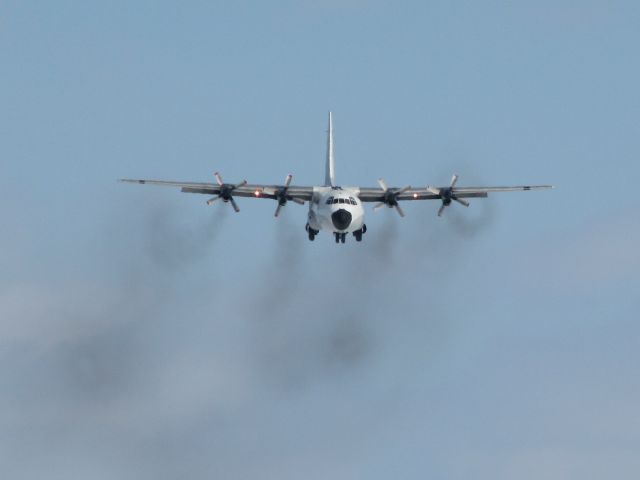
<point x="330" y="172"/>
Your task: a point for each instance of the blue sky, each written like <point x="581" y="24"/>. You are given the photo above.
<point x="146" y="335"/>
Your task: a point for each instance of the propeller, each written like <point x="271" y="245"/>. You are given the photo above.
<point x="390" y="197"/>
<point x="447" y="195"/>
<point x="282" y="196"/>
<point x="226" y="191"/>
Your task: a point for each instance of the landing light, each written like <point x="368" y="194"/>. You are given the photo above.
<point x="415" y="195"/>
<point x="257" y="193"/>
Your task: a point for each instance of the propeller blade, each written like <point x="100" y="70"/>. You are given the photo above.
<point x="277" y="210"/>
<point x="402" y="190"/>
<point x="287" y="181"/>
<point x="212" y="200"/>
<point x="234" y="205"/>
<point x="441" y="210"/>
<point x="383" y="184"/>
<point x="241" y="184"/>
<point x="454" y="180"/>
<point x="460" y="201"/>
<point x="378" y="206"/>
<point x="399" y="210"/>
<point x="434" y="190"/>
<point x="218" y="178"/>
<point x="299" y="201"/>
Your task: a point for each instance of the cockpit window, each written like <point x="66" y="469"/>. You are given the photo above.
<point x="347" y="201"/>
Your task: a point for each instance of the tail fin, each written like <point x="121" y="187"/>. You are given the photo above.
<point x="330" y="172"/>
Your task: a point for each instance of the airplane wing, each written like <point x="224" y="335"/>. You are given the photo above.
<point x="239" y="190"/>
<point x="375" y="194"/>
<point x="386" y="196"/>
<point x="226" y="191"/>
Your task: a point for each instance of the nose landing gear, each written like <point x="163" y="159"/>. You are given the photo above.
<point x="340" y="237"/>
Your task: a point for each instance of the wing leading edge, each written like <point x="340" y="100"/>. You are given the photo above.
<point x="375" y="194"/>
<point x="384" y="195"/>
<point x="240" y="190"/>
<point x="390" y="197"/>
<point x="305" y="193"/>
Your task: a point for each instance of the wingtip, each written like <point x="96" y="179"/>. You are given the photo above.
<point x="133" y="180"/>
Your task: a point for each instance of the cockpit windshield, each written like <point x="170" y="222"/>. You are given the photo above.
<point x="346" y="201"/>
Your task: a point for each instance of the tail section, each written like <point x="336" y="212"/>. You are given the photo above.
<point x="330" y="172"/>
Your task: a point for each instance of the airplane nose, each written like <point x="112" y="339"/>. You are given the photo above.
<point x="341" y="219"/>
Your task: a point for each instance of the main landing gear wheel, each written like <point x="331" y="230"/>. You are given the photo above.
<point x="312" y="233"/>
<point x="358" y="233"/>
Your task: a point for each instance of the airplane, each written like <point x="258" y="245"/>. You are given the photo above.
<point x="334" y="208"/>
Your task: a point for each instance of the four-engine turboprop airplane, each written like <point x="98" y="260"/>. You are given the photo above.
<point x="334" y="208"/>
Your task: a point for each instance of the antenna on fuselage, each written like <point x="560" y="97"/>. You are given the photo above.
<point x="330" y="170"/>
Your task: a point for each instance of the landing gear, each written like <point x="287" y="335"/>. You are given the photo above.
<point x="340" y="237"/>
<point x="358" y="233"/>
<point x="312" y="233"/>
